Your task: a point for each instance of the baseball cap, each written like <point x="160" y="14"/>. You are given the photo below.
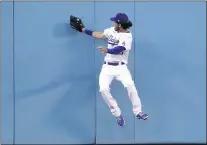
<point x="120" y="18"/>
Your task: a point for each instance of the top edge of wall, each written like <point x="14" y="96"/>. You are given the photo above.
<point x="104" y="0"/>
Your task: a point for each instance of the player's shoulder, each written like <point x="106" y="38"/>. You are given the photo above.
<point x="111" y="29"/>
<point x="126" y="35"/>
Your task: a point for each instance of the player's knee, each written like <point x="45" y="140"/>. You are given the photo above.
<point x="131" y="88"/>
<point x="130" y="85"/>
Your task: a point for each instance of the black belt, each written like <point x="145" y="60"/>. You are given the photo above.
<point x="114" y="63"/>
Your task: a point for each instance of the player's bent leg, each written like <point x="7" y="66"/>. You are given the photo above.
<point x="126" y="78"/>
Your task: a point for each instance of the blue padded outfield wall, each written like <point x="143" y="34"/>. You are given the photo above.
<point x="50" y="91"/>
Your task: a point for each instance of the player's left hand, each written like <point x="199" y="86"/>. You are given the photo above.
<point x="102" y="49"/>
<point x="77" y="24"/>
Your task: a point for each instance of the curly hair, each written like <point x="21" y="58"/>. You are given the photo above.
<point x="126" y="25"/>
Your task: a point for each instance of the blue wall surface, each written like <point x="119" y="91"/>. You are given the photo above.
<point x="7" y="67"/>
<point x="50" y="91"/>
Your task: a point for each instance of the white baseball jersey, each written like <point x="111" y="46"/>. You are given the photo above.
<point x="118" y="39"/>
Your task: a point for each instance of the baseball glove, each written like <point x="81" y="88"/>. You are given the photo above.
<point x="76" y="23"/>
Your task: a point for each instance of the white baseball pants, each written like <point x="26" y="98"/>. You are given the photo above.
<point x="121" y="73"/>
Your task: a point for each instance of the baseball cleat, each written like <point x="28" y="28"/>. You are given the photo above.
<point x="142" y="116"/>
<point x="120" y="120"/>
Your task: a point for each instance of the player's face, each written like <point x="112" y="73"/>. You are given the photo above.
<point x="116" y="26"/>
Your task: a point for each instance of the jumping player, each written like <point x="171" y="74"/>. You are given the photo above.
<point x="115" y="65"/>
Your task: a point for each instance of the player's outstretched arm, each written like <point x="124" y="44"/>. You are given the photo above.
<point x="97" y="35"/>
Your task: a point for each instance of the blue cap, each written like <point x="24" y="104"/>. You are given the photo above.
<point x="120" y="18"/>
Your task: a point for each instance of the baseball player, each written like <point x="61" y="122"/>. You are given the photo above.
<point x="115" y="65"/>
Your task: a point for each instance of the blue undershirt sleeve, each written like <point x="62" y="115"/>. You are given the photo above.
<point x="116" y="50"/>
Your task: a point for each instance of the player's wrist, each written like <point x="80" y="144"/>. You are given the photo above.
<point x="88" y="32"/>
<point x="83" y="29"/>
